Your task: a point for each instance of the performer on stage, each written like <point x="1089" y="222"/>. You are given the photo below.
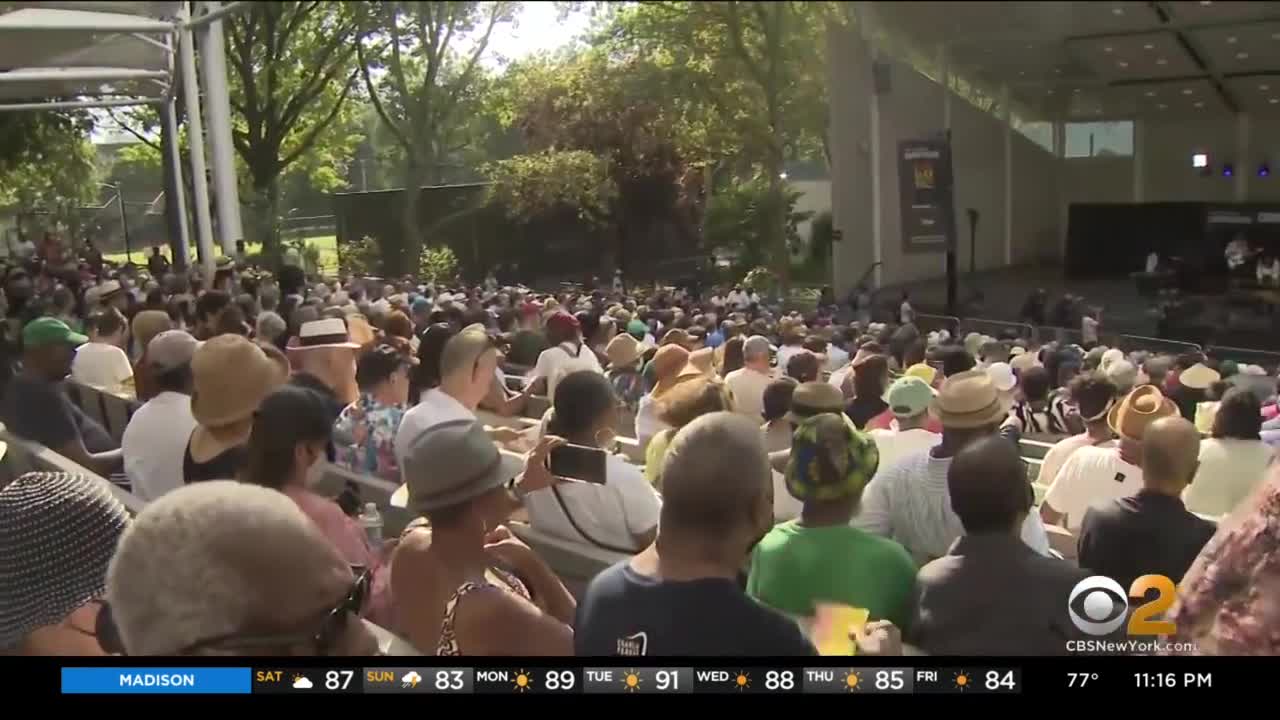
<point x="1238" y="253"/>
<point x="1268" y="271"/>
<point x="1153" y="262"/>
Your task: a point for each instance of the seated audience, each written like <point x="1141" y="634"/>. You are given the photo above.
<point x="870" y="380"/>
<point x="369" y="425"/>
<point x="466" y="366"/>
<point x="290" y="436"/>
<point x="102" y="362"/>
<point x="156" y="437"/>
<point x="230" y="378"/>
<point x="1098" y="474"/>
<point x="227" y="568"/>
<point x="271" y="328"/>
<point x="326" y="351"/>
<point x="621" y="514"/>
<point x="1030" y="413"/>
<point x="35" y="405"/>
<point x="426" y="374"/>
<point x="567" y="352"/>
<point x="991" y="594"/>
<point x="209" y="305"/>
<point x="1233" y="460"/>
<point x="804" y="367"/>
<point x="466" y="585"/>
<point x="680" y="596"/>
<point x="733" y="353"/>
<point x="685" y="403"/>
<point x="624" y="353"/>
<point x="1192" y="387"/>
<point x="50" y="606"/>
<point x="909" y="398"/>
<point x="748" y="383"/>
<point x="909" y="502"/>
<point x="1226" y="601"/>
<point x="777" y="405"/>
<point x="1095" y="395"/>
<point x="819" y="557"/>
<point x="146" y="326"/>
<point x="671" y="367"/>
<point x="1150" y="532"/>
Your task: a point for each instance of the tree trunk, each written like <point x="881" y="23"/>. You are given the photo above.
<point x="411" y="237"/>
<point x="775" y="165"/>
<point x="271" y="238"/>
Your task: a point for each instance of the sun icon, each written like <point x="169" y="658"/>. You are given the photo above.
<point x="523" y="681"/>
<point x="853" y="681"/>
<point x="961" y="680"/>
<point x="631" y="681"/>
<point x="742" y="680"/>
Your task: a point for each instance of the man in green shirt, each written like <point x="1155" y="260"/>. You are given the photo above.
<point x="820" y="558"/>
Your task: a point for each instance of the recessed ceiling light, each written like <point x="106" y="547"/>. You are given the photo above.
<point x="1162" y="106"/>
<point x="1049" y="93"/>
<point x="1161" y="61"/>
<point x="1149" y="46"/>
<point x="1187" y="91"/>
<point x="1242" y="56"/>
<point x="1151" y="93"/>
<point x="1122" y="64"/>
<point x="1274" y="101"/>
<point x="1206" y="3"/>
<point x="1077" y="90"/>
<point x="1264" y="86"/>
<point x="1232" y="40"/>
<point x="1030" y="46"/>
<point x="1057" y="71"/>
<point x="1107" y="49"/>
<point x="1022" y="73"/>
<point x="1117" y="11"/>
<point x="1199" y="104"/>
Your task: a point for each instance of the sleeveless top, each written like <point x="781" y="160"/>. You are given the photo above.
<point x="448" y="642"/>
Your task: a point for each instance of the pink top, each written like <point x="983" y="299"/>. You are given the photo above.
<point x="350" y="540"/>
<point x="1270" y="411"/>
<point x="884" y="421"/>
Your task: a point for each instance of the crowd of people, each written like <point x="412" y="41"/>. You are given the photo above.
<point x="781" y="461"/>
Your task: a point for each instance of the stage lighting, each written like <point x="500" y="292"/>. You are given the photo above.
<point x="1228" y="170"/>
<point x="1199" y="160"/>
<point x="1264" y="171"/>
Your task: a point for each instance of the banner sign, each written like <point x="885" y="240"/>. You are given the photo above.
<point x="925" y="185"/>
<point x="1219" y="215"/>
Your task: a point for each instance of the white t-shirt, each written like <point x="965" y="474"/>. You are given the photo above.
<point x="738" y="300"/>
<point x="747" y="386"/>
<point x="1088" y="330"/>
<point x="155" y="442"/>
<point x="906" y="313"/>
<point x="626" y="505"/>
<point x="435" y="407"/>
<point x="785" y="353"/>
<point x="1153" y="262"/>
<point x="836" y="358"/>
<point x="1090" y="476"/>
<point x="1058" y="454"/>
<point x="897" y="444"/>
<point x="24" y="250"/>
<point x="1230" y="468"/>
<point x="101" y="365"/>
<point x="785" y="507"/>
<point x="647" y="422"/>
<point x="556" y="361"/>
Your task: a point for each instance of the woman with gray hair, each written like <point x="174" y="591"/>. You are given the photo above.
<point x="270" y="328"/>
<point x="58" y="532"/>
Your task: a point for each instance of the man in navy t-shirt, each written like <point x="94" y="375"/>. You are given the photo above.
<point x="680" y="596"/>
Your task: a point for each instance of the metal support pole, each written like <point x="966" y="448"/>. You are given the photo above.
<point x="195" y="136"/>
<point x="1006" y="117"/>
<point x="213" y="67"/>
<point x="215" y="13"/>
<point x="175" y="190"/>
<point x="124" y="224"/>
<point x="81" y="104"/>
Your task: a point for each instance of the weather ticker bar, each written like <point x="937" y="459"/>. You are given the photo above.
<point x="641" y="680"/>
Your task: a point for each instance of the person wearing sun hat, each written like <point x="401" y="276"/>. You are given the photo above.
<point x="1192" y="389"/>
<point x="624" y="353"/>
<point x="820" y="557"/>
<point x="1102" y="474"/>
<point x="231" y="376"/>
<point x="909" y="502"/>
<point x="910" y="427"/>
<point x="58" y="532"/>
<point x="670" y="368"/>
<point x="326" y="350"/>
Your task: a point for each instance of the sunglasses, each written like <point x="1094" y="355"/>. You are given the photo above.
<point x="322" y="641"/>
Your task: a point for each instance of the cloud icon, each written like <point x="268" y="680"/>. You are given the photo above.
<point x="410" y="679"/>
<point x="302" y="682"/>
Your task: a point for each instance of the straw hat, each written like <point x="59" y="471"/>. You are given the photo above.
<point x="1141" y="407"/>
<point x="325" y="333"/>
<point x="1198" y="377"/>
<point x="623" y="351"/>
<point x="968" y="400"/>
<point x="670" y="368"/>
<point x="231" y="377"/>
<point x="703" y="360"/>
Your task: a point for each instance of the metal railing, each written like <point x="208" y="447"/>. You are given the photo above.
<point x="931" y="323"/>
<point x="996" y="328"/>
<point x="1268" y="360"/>
<point x="1129" y="343"/>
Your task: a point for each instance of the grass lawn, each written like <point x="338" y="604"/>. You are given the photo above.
<point x="327" y="244"/>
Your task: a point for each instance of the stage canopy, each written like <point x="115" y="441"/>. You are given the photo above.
<point x="1096" y="60"/>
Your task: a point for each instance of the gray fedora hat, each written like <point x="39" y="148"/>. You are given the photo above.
<point x="451" y="463"/>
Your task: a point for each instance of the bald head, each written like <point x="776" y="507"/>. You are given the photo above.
<point x="988" y="486"/>
<point x="1170" y="454"/>
<point x="219" y="559"/>
<point x="715" y="475"/>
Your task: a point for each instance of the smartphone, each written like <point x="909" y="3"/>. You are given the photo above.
<point x="579" y="462"/>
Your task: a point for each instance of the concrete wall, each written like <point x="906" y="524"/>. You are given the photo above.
<point x="850" y="95"/>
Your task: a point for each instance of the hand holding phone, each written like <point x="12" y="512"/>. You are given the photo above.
<point x="579" y="462"/>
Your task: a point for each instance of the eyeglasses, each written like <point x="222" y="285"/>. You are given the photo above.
<point x="322" y="641"/>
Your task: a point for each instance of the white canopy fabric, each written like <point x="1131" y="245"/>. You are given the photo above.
<point x="82" y="51"/>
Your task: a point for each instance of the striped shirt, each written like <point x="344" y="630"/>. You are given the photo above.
<point x="908" y="502"/>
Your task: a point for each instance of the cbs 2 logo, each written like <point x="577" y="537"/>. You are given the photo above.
<point x="1100" y="597"/>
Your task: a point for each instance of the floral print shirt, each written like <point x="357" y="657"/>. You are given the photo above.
<point x="628" y="386"/>
<point x="365" y="435"/>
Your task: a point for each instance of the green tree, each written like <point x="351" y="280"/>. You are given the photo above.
<point x="532" y="186"/>
<point x="420" y="64"/>
<point x="46" y="161"/>
<point x="292" y="71"/>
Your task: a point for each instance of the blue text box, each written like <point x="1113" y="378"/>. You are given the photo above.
<point x="156" y="681"/>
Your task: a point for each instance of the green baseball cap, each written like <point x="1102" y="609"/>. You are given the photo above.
<point x="830" y="459"/>
<point x="48" y="331"/>
<point x="909" y="396"/>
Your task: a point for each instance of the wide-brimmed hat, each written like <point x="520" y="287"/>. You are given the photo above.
<point x="670" y="368"/>
<point x="1144" y="405"/>
<point x="449" y="464"/>
<point x="814" y="398"/>
<point x="830" y="459"/>
<point x="968" y="400"/>
<point x="1002" y="376"/>
<point x="623" y="351"/>
<point x="704" y="360"/>
<point x="1198" y="377"/>
<point x="325" y="333"/>
<point x="231" y="376"/>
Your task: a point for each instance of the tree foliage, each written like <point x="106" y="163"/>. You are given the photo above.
<point x="292" y="71"/>
<point x="46" y="161"/>
<point x="533" y="186"/>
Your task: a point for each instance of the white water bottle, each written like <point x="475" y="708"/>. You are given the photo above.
<point x="371" y="520"/>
